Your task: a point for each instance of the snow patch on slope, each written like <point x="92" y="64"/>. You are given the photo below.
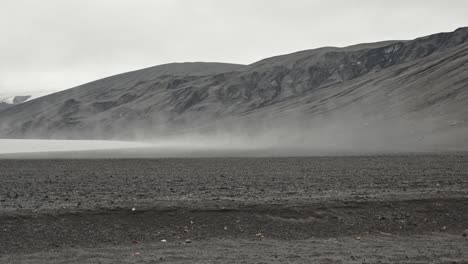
<point x="9" y="98"/>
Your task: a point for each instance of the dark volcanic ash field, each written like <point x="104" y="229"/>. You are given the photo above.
<point x="410" y="208"/>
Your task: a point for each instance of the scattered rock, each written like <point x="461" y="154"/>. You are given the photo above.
<point x="465" y="233"/>
<point x="188" y="241"/>
<point x="163" y="240"/>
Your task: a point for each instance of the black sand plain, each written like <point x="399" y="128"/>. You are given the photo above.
<point x="398" y="208"/>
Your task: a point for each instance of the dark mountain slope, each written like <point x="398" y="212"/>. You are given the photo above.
<point x="422" y="79"/>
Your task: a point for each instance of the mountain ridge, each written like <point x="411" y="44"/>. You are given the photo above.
<point x="183" y="97"/>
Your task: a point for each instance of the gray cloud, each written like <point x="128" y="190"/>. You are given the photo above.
<point x="56" y="44"/>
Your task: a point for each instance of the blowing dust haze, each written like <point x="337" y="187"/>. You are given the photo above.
<point x="282" y="137"/>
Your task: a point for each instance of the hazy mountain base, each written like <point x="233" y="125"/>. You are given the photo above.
<point x="284" y="138"/>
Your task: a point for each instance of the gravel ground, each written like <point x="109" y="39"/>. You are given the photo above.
<point x="424" y="249"/>
<point x="352" y="209"/>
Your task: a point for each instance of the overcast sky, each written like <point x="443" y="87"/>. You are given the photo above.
<point x="57" y="44"/>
